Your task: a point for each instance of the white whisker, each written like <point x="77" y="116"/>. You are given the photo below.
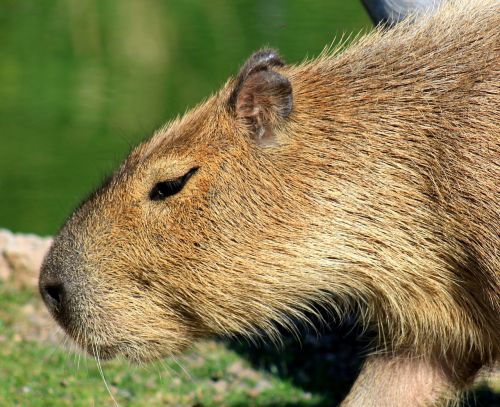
<point x="99" y="367"/>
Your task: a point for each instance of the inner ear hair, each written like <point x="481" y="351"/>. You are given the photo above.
<point x="261" y="96"/>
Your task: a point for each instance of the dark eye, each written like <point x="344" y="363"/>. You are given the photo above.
<point x="165" y="189"/>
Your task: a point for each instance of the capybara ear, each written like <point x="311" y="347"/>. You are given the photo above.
<point x="262" y="97"/>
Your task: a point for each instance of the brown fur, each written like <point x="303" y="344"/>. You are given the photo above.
<point x="378" y="191"/>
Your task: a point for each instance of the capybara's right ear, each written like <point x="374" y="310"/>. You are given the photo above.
<point x="261" y="96"/>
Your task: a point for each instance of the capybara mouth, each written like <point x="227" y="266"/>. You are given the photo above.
<point x="98" y="351"/>
<point x="133" y="352"/>
<point x="102" y="352"/>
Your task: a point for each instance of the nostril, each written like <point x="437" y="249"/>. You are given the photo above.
<point x="54" y="294"/>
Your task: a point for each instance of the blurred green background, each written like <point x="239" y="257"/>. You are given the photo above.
<point x="81" y="82"/>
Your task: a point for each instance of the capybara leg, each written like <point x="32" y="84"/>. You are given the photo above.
<point x="399" y="382"/>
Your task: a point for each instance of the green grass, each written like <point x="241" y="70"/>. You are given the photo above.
<point x="37" y="374"/>
<point x="40" y="376"/>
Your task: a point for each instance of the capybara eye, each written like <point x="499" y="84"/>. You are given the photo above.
<point x="165" y="189"/>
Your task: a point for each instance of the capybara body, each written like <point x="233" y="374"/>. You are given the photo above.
<point x="364" y="181"/>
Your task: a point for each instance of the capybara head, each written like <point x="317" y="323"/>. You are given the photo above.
<point x="188" y="236"/>
<point x="360" y="180"/>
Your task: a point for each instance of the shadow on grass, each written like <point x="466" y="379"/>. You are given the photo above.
<point x="326" y="365"/>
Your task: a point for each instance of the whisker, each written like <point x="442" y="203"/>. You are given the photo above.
<point x="165" y="369"/>
<point x="174" y="359"/>
<point x="99" y="367"/>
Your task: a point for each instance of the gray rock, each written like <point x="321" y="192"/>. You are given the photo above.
<point x="21" y="256"/>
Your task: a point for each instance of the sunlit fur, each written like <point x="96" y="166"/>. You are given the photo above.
<point x="380" y="195"/>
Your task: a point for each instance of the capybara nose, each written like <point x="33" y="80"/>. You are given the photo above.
<point x="53" y="293"/>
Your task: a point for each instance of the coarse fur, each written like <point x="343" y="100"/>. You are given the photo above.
<point x="366" y="180"/>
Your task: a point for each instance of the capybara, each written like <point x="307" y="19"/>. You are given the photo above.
<point x="365" y="181"/>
